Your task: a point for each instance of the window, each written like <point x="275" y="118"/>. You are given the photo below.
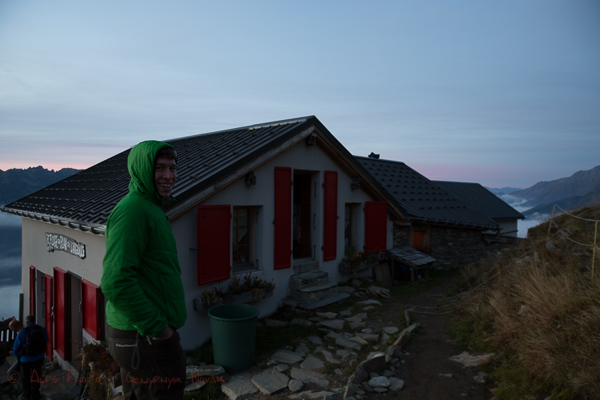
<point x="242" y="237"/>
<point x="421" y="241"/>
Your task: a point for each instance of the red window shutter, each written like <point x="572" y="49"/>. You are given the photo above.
<point x="32" y="290"/>
<point x="283" y="218"/>
<point x="61" y="313"/>
<point x="48" y="303"/>
<point x="375" y="226"/>
<point x="330" y="215"/>
<point x="91" y="308"/>
<point x="214" y="238"/>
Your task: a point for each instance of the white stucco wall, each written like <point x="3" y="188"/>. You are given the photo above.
<point x="35" y="253"/>
<point x="300" y="157"/>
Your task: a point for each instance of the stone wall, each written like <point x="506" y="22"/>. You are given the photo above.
<point x="452" y="247"/>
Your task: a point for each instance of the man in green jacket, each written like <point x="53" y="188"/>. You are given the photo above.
<point x="142" y="280"/>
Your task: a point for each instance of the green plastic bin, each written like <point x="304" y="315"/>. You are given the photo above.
<point x="233" y="330"/>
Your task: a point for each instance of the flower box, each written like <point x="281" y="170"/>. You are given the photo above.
<point x="241" y="298"/>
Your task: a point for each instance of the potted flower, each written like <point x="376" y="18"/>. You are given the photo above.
<point x="355" y="261"/>
<point x="247" y="290"/>
<point x="252" y="288"/>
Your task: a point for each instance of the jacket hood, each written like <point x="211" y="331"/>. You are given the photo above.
<point x="140" y="164"/>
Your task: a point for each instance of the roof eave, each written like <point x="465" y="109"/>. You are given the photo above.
<point x="53" y="220"/>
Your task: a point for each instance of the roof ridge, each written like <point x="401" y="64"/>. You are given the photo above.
<point x="248" y="127"/>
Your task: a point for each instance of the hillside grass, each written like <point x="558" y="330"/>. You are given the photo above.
<point x="537" y="307"/>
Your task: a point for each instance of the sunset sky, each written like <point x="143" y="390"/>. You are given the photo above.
<point x="501" y="93"/>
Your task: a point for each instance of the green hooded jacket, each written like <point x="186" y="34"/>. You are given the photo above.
<point x="141" y="277"/>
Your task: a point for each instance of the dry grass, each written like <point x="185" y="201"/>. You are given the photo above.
<point x="538" y="308"/>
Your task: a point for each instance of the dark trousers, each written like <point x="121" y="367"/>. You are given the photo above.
<point x="31" y="377"/>
<point x="150" y="369"/>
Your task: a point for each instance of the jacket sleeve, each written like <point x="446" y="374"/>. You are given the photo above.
<point x="126" y="239"/>
<point x="17" y="344"/>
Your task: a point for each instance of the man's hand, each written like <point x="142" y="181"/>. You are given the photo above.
<point x="165" y="334"/>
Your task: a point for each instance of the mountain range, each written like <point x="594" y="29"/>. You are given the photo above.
<point x="580" y="190"/>
<point x="17" y="183"/>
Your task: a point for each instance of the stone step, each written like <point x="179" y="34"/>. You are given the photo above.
<point x="305" y="266"/>
<point x="308" y="279"/>
<point x="314" y="292"/>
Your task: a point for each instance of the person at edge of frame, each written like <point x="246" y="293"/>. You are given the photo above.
<point x="30" y="364"/>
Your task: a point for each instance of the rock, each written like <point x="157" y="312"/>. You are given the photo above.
<point x="194" y="386"/>
<point x="384" y="338"/>
<point x="445" y="375"/>
<point x="481" y="377"/>
<point x="343" y="353"/>
<point x="370" y="302"/>
<point x="196" y="371"/>
<point x="302" y="349"/>
<point x="281" y="367"/>
<point x="333" y="335"/>
<point x="379" y="381"/>
<point x="469" y="360"/>
<point x="359" y="376"/>
<point x="295" y="385"/>
<point x="287" y="357"/>
<point x="311" y="362"/>
<point x="337" y="324"/>
<point x="369" y="337"/>
<point x="329" y="357"/>
<point x="405" y="334"/>
<point x="395" y="384"/>
<point x="326" y="315"/>
<point x="315" y="340"/>
<point x="309" y="376"/>
<point x="355" y="325"/>
<point x="392" y="352"/>
<point x="351" y="390"/>
<point x="238" y="387"/>
<point x="358" y="340"/>
<point x="354" y="318"/>
<point x="270" y="381"/>
<point x="346" y="313"/>
<point x="375" y="363"/>
<point x="343" y="342"/>
<point x="390" y="330"/>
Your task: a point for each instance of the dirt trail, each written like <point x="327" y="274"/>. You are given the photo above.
<point x="427" y="371"/>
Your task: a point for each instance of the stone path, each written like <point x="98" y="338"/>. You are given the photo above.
<point x="298" y="372"/>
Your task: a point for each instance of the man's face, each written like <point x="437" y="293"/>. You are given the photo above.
<point x="165" y="175"/>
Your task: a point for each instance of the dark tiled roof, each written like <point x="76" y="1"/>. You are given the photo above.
<point x="481" y="199"/>
<point x="85" y="199"/>
<point x="422" y="200"/>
